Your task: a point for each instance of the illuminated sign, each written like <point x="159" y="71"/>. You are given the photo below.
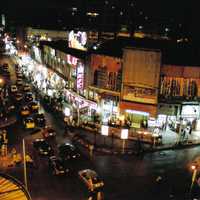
<point x="77" y="40"/>
<point x="80" y="76"/>
<point x="72" y="60"/>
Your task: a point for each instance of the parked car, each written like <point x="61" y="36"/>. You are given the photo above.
<point x="57" y="166"/>
<point x="19" y="82"/>
<point x="25" y="111"/>
<point x="13" y="88"/>
<point x="27" y="88"/>
<point x="28" y="97"/>
<point x="42" y="147"/>
<point x="91" y="179"/>
<point x="19" y="75"/>
<point x="48" y="132"/>
<point x="68" y="151"/>
<point x="29" y="123"/>
<point x="40" y="119"/>
<point x="18" y="96"/>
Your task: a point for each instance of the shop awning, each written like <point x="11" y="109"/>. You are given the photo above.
<point x="151" y="109"/>
<point x="105" y="91"/>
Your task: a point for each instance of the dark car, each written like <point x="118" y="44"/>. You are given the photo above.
<point x="43" y="147"/>
<point x="19" y="82"/>
<point x="18" y="96"/>
<point x="68" y="151"/>
<point x="57" y="166"/>
<point x="27" y="88"/>
<point x="28" y="97"/>
<point x="40" y="119"/>
<point x="19" y="75"/>
<point x="48" y="132"/>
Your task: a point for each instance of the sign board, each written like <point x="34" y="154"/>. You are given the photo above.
<point x="124" y="134"/>
<point x="104" y="130"/>
<point x="140" y="94"/>
<point x="141" y="72"/>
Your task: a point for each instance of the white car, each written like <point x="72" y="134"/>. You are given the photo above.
<point x="13" y="88"/>
<point x="91" y="179"/>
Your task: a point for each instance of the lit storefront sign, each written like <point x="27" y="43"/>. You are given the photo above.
<point x="190" y="111"/>
<point x="72" y="60"/>
<point x="140" y="94"/>
<point x="80" y="77"/>
<point x="37" y="54"/>
<point x="77" y="40"/>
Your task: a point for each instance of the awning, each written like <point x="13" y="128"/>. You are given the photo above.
<point x="151" y="109"/>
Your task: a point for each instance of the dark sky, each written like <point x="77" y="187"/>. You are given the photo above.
<point x="174" y="11"/>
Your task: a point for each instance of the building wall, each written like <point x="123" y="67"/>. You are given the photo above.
<point x="54" y="34"/>
<point x="179" y="82"/>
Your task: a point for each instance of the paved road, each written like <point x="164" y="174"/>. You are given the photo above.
<point x="126" y="177"/>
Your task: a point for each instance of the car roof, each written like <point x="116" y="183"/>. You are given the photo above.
<point x="89" y="173"/>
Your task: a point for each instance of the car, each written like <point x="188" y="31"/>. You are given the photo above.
<point x="57" y="167"/>
<point x="13" y="88"/>
<point x="48" y="132"/>
<point x="28" y="97"/>
<point x="91" y="179"/>
<point x="33" y="106"/>
<point x="19" y="82"/>
<point x="43" y="147"/>
<point x="40" y="119"/>
<point x="29" y="123"/>
<point x="25" y="111"/>
<point x="19" y="75"/>
<point x="27" y="88"/>
<point x="3" y="116"/>
<point x="5" y="66"/>
<point x="10" y="107"/>
<point x="18" y="96"/>
<point x="68" y="151"/>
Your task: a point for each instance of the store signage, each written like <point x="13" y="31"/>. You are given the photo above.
<point x="140" y="94"/>
<point x="124" y="134"/>
<point x="72" y="60"/>
<point x="104" y="130"/>
<point x="77" y="40"/>
<point x="80" y="76"/>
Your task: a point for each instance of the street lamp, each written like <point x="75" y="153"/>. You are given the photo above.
<point x="124" y="137"/>
<point x="194" y="174"/>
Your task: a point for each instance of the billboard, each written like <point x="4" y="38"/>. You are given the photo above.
<point x="80" y="76"/>
<point x="77" y="40"/>
<point x="141" y="71"/>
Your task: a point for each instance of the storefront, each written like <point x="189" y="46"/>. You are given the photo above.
<point x="136" y="115"/>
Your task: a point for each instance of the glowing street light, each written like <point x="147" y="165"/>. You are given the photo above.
<point x="194" y="174"/>
<point x="1" y="80"/>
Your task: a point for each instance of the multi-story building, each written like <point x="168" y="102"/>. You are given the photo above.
<point x="128" y="79"/>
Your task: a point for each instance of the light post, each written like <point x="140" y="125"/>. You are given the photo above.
<point x="104" y="132"/>
<point x="194" y="168"/>
<point x="124" y="137"/>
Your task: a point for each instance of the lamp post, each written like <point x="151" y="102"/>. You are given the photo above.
<point x="194" y="168"/>
<point x="124" y="137"/>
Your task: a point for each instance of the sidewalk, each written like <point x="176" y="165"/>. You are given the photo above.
<point x="105" y="144"/>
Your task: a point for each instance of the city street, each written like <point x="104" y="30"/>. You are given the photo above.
<point x="126" y="177"/>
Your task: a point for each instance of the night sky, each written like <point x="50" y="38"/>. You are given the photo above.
<point x="163" y="12"/>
